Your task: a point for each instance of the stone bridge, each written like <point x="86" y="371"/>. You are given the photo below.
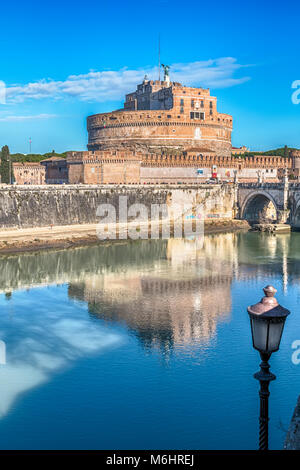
<point x="269" y="202"/>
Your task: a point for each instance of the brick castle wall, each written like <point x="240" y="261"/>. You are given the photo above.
<point x="107" y="167"/>
<point x="29" y="173"/>
<point x="126" y="167"/>
<point x="163" y="116"/>
<point x="130" y="131"/>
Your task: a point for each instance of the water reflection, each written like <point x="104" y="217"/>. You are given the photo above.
<point x="184" y="294"/>
<point x="41" y="342"/>
<point x="237" y="251"/>
<point x="179" y="300"/>
<point x="168" y="293"/>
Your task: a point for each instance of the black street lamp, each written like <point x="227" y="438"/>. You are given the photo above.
<point x="267" y="320"/>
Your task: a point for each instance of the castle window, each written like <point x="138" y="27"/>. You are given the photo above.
<point x="182" y="109"/>
<point x="202" y="103"/>
<point x="210" y="104"/>
<point x="181" y="102"/>
<point x="196" y="115"/>
<point x="192" y="103"/>
<point x="169" y="116"/>
<point x="210" y="111"/>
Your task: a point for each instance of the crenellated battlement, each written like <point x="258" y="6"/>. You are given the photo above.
<point x="135" y="166"/>
<point x="193" y="156"/>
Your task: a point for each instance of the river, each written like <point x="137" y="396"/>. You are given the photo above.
<point x="145" y="344"/>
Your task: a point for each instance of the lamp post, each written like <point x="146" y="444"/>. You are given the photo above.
<point x="267" y="319"/>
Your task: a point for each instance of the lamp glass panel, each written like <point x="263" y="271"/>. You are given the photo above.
<point x="260" y="334"/>
<point x="275" y="331"/>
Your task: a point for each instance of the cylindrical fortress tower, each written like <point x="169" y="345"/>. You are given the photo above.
<point x="163" y="116"/>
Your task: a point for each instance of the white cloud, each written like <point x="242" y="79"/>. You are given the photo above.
<point x="25" y="118"/>
<point x="112" y="85"/>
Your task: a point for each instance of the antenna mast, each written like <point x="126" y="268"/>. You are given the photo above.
<point x="159" y="57"/>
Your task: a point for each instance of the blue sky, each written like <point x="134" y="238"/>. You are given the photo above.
<point x="62" y="61"/>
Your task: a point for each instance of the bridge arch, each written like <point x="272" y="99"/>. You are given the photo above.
<point x="259" y="206"/>
<point x="296" y="216"/>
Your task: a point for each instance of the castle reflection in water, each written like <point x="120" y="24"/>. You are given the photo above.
<point x="166" y="292"/>
<point x="179" y="299"/>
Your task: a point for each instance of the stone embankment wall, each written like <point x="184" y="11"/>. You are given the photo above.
<point x="36" y="206"/>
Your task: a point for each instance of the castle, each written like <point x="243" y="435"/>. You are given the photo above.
<point x="165" y="133"/>
<point x="163" y="116"/>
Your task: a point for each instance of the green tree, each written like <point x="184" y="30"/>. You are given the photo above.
<point x="286" y="151"/>
<point x="6" y="169"/>
<point x="5" y="165"/>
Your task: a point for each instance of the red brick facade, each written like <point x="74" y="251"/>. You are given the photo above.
<point x="29" y="173"/>
<point x="104" y="167"/>
<point x="56" y="170"/>
<point x="163" y="116"/>
<point x="127" y="167"/>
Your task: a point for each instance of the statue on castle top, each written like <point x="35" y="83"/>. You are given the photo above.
<point x="166" y="72"/>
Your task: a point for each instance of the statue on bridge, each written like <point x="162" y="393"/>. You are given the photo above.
<point x="235" y="176"/>
<point x="259" y="177"/>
